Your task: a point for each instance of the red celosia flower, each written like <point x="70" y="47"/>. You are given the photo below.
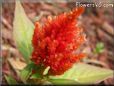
<point x="55" y="42"/>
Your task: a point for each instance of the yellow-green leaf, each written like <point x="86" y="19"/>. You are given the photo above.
<point x="10" y="80"/>
<point x="63" y="82"/>
<point x="85" y="74"/>
<point x="23" y="31"/>
<point x="26" y="72"/>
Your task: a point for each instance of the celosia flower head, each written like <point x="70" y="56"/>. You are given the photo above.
<point x="54" y="43"/>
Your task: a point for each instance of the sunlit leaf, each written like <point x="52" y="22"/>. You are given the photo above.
<point x="63" y="82"/>
<point x="85" y="74"/>
<point x="46" y="70"/>
<point x="23" y="31"/>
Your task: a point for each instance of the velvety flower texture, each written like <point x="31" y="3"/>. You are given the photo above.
<point x="55" y="41"/>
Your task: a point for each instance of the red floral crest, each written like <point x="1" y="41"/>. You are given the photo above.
<point x="54" y="43"/>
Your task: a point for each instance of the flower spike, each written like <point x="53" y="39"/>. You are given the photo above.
<point x="55" y="42"/>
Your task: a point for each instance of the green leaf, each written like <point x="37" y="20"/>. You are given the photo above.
<point x="26" y="72"/>
<point x="99" y="48"/>
<point x="85" y="74"/>
<point x="23" y="31"/>
<point x="38" y="72"/>
<point x="63" y="82"/>
<point x="10" y="80"/>
<point x="36" y="76"/>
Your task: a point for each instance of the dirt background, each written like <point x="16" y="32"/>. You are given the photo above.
<point x="98" y="25"/>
